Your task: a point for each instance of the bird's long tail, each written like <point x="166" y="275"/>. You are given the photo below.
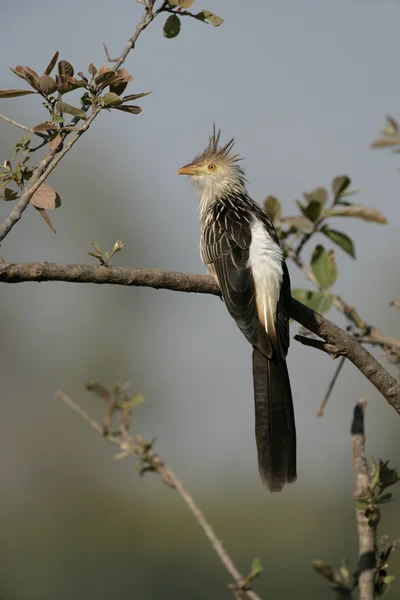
<point x="275" y="427"/>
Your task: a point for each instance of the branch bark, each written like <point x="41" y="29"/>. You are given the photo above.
<point x="345" y="344"/>
<point x="366" y="532"/>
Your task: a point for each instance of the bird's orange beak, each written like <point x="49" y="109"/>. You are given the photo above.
<point x="188" y="170"/>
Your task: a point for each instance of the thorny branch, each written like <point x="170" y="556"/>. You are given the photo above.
<point x="151" y="461"/>
<point x="53" y="157"/>
<point x="341" y="342"/>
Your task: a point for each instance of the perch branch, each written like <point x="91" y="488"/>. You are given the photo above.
<point x="345" y="344"/>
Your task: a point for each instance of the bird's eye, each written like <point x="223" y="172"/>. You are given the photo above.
<point x="211" y="167"/>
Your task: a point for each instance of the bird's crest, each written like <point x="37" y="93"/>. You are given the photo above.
<point x="214" y="150"/>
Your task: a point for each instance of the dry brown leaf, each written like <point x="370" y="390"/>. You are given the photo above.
<point x="54" y="143"/>
<point x="358" y="210"/>
<point x="385" y="142"/>
<point x="46" y="198"/>
<point x="46" y="217"/>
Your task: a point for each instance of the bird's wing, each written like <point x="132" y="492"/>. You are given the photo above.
<point x="225" y="246"/>
<point x="282" y="313"/>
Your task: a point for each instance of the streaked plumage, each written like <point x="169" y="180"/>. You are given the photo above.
<point x="240" y="247"/>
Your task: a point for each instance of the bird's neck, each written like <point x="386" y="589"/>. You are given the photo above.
<point x="210" y="193"/>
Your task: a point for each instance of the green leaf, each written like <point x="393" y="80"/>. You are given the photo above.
<point x="319" y="194"/>
<point x="172" y="26"/>
<point x="312" y="211"/>
<point x="339" y="185"/>
<point x="206" y="15"/>
<point x="324" y="267"/>
<point x="51" y="64"/>
<point x="374" y="475"/>
<point x="10" y="194"/>
<point x="15" y="93"/>
<point x="341" y="239"/>
<point x="362" y="212"/>
<point x="47" y="85"/>
<point x="385" y="498"/>
<point x="256" y="567"/>
<point x="133" y="110"/>
<point x="325" y="570"/>
<point x="318" y="301"/>
<point x="92" y="70"/>
<point x="111" y="99"/>
<point x="185" y="3"/>
<point x="63" y="107"/>
<point x="273" y="208"/>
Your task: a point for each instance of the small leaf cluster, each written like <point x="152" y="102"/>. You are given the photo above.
<point x="43" y="199"/>
<point x="245" y="584"/>
<point x="105" y="258"/>
<point x="342" y="582"/>
<point x="179" y="8"/>
<point x="119" y="402"/>
<point x="120" y="405"/>
<point x="53" y="87"/>
<point x="390" y="136"/>
<point x="317" y="208"/>
<point x="381" y="478"/>
<point x="102" y="89"/>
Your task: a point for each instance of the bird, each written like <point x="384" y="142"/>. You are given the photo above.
<point x="241" y="249"/>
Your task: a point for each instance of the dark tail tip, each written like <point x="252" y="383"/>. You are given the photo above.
<point x="275" y="426"/>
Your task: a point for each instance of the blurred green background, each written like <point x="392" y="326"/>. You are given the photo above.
<point x="304" y="88"/>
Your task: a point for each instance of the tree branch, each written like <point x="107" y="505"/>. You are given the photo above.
<point x="16" y="124"/>
<point x="366" y="531"/>
<point x="344" y="343"/>
<point x="369" y="334"/>
<point x="145" y="452"/>
<point x="53" y="157"/>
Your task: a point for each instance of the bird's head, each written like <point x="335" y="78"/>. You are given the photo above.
<point x="215" y="171"/>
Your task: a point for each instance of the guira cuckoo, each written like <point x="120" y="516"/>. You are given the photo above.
<point x="241" y="249"/>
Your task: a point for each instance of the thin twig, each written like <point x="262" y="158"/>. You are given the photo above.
<point x="366" y="531"/>
<point x="111" y="60"/>
<point x="24" y="127"/>
<point x="331" y="386"/>
<point x="53" y="157"/>
<point x="319" y="345"/>
<point x="16" y="124"/>
<point x="344" y="343"/>
<point x="172" y="480"/>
